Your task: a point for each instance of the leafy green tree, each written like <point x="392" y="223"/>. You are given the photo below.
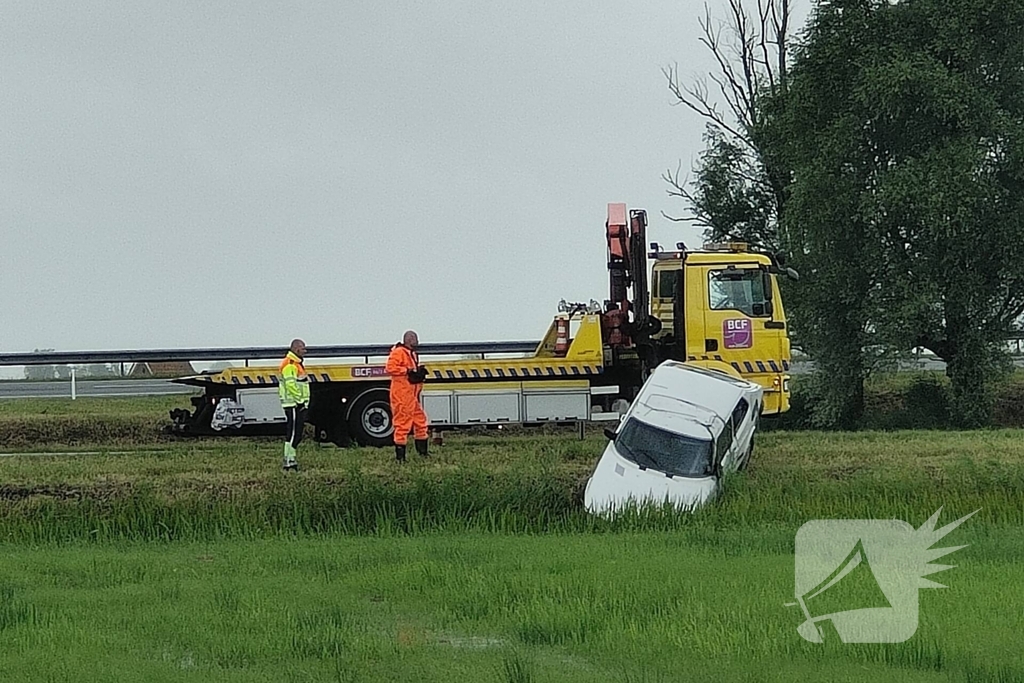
<point x="831" y="241"/>
<point x="948" y="104"/>
<point x="885" y="154"/>
<point x="913" y="111"/>
<point x="731" y="198"/>
<point x="745" y="181"/>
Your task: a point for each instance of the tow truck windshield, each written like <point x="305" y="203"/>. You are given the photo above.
<point x="664" y="451"/>
<point x="739" y="289"/>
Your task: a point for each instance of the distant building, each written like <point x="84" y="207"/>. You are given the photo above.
<point x="162" y="370"/>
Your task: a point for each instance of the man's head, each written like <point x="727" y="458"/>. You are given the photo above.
<point x="298" y="347"/>
<point x="410" y="339"/>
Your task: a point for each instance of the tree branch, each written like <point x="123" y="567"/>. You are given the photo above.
<point x="764" y="9"/>
<point x="696" y="98"/>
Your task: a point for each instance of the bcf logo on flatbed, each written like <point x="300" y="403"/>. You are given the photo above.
<point x="737" y="333"/>
<point x="369" y="371"/>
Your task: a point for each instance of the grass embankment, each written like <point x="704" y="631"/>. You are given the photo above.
<point x="516" y="484"/>
<point x="92" y="406"/>
<point x="45" y="423"/>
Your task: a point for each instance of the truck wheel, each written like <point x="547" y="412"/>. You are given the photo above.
<point x="369" y="420"/>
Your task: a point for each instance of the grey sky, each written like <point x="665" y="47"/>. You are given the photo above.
<point x="224" y="174"/>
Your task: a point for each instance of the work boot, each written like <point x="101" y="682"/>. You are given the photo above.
<point x="399" y="453"/>
<point x="421" y="447"/>
<point x="289" y="458"/>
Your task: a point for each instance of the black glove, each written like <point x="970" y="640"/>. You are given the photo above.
<point x="417" y="376"/>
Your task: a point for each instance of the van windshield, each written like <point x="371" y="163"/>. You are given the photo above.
<point x="661" y="450"/>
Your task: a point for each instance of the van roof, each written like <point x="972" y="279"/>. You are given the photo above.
<point x="678" y="416"/>
<point x="693" y="392"/>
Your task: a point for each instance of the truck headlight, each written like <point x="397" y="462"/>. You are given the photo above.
<point x="785" y="386"/>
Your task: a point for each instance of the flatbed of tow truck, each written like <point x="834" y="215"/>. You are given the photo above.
<point x="545" y="387"/>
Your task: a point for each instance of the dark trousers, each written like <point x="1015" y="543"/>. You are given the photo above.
<point x="295" y="422"/>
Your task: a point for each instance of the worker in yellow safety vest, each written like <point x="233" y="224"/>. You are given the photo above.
<point x="293" y="389"/>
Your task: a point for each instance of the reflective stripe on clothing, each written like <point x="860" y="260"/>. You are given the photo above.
<point x="293" y="384"/>
<point x="295" y="422"/>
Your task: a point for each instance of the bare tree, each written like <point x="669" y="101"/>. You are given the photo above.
<point x="751" y="54"/>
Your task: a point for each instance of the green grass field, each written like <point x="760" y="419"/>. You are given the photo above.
<point x="144" y="406"/>
<point x="203" y="562"/>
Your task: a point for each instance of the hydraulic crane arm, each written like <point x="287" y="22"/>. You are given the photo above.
<point x="627" y="269"/>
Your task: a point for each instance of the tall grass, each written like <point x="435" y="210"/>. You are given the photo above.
<point x="529" y="486"/>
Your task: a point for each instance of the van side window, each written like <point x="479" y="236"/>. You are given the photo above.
<point x="724" y="441"/>
<point x="739" y="412"/>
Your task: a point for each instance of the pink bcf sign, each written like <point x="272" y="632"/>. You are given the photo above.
<point x="737" y="333"/>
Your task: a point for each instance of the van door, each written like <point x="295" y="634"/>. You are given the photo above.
<point x="743" y="428"/>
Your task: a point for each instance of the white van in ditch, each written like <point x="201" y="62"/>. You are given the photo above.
<point x="686" y="428"/>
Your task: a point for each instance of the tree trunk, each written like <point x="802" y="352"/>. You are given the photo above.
<point x="967" y="368"/>
<point x="839" y="382"/>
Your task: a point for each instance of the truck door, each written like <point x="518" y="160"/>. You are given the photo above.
<point x="739" y="301"/>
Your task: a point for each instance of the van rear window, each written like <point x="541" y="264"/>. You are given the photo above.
<point x="664" y="451"/>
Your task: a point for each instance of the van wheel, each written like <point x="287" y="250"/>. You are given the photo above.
<point x="369" y="420"/>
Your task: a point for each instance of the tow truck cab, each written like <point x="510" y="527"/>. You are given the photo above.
<point x="734" y="319"/>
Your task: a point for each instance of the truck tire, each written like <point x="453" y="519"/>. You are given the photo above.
<point x="369" y="419"/>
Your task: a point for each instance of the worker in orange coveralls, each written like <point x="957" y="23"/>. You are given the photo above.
<point x="407" y="377"/>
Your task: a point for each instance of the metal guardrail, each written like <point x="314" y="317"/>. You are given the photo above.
<point x="253" y="353"/>
<point x="269" y="352"/>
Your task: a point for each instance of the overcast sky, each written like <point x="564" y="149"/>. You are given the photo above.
<point x="227" y="174"/>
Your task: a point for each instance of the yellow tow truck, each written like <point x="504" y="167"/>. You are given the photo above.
<point x="724" y="312"/>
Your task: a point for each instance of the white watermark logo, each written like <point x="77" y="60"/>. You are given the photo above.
<point x="857" y="579"/>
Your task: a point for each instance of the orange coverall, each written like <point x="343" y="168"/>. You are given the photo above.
<point x="405" y="396"/>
